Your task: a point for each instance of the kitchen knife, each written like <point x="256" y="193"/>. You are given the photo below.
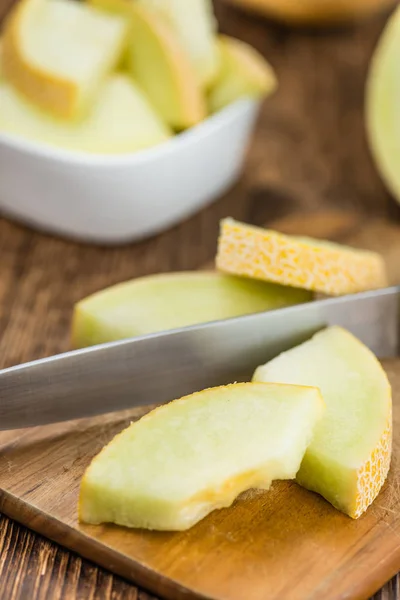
<point x="157" y="368"/>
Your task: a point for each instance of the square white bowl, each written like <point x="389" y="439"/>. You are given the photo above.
<point x="120" y="198"/>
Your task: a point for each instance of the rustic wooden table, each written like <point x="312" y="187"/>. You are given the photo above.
<point x="309" y="152"/>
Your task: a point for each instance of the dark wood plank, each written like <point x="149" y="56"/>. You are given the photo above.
<point x="309" y="151"/>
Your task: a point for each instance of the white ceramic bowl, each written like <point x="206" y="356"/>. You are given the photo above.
<point x="120" y="198"/>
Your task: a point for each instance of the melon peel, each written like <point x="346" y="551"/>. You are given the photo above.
<point x="197" y="454"/>
<point x="349" y="457"/>
<point x="60" y="89"/>
<point x="301" y="262"/>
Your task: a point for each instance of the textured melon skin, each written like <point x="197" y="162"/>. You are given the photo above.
<point x="168" y="301"/>
<point x="349" y="458"/>
<point x="303" y="262"/>
<point x="196" y="454"/>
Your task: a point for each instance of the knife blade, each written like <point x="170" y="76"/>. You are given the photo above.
<point x="156" y="368"/>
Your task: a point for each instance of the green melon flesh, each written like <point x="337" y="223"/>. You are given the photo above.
<point x="191" y="456"/>
<point x="168" y="301"/>
<point x="382" y="105"/>
<point x="194" y="25"/>
<point x="358" y="399"/>
<point x="244" y="73"/>
<point x="120" y="121"/>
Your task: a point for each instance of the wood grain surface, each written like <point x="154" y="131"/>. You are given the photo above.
<point x="309" y="153"/>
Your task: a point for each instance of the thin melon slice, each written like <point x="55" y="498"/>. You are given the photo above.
<point x="191" y="456"/>
<point x="58" y="52"/>
<point x="121" y="120"/>
<point x="349" y="457"/>
<point x="159" y="64"/>
<point x="302" y="262"/>
<point x="195" y="27"/>
<point x="243" y="73"/>
<point x="168" y="301"/>
<point x="382" y="105"/>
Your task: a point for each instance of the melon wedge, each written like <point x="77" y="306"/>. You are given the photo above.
<point x="120" y="121"/>
<point x="168" y="301"/>
<point x="349" y="458"/>
<point x="159" y="64"/>
<point x="382" y="106"/>
<point x="302" y="262"/>
<point x="187" y="458"/>
<point x="58" y="52"/>
<point x="243" y="73"/>
<point x="195" y="27"/>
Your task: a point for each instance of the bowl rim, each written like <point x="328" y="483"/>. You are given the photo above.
<point x="209" y="126"/>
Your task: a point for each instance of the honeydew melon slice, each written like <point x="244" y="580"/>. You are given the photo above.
<point x="167" y="301"/>
<point x="195" y="26"/>
<point x="58" y="52"/>
<point x="243" y="73"/>
<point x="382" y="105"/>
<point x="121" y="120"/>
<point x="349" y="457"/>
<point x="303" y="262"/>
<point x="191" y="456"/>
<point x="159" y="64"/>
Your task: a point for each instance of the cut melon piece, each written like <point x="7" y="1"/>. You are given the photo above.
<point x="349" y="457"/>
<point x="160" y="65"/>
<point x="191" y="456"/>
<point x="195" y="26"/>
<point x="120" y="121"/>
<point x="382" y="105"/>
<point x="243" y="73"/>
<point x="314" y="12"/>
<point x="168" y="301"/>
<point x="58" y="52"/>
<point x="302" y="262"/>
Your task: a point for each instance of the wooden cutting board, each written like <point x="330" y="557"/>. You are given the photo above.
<point x="285" y="544"/>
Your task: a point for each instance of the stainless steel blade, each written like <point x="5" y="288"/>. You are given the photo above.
<point x="157" y="368"/>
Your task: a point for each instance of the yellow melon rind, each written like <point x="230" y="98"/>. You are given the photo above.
<point x="373" y="473"/>
<point x="54" y="94"/>
<point x="300" y="262"/>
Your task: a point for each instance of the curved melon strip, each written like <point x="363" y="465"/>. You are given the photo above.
<point x="315" y="12"/>
<point x="121" y="120"/>
<point x="298" y="261"/>
<point x="168" y="301"/>
<point x="349" y="457"/>
<point x="160" y="65"/>
<point x="58" y="52"/>
<point x="194" y="455"/>
<point x="382" y="105"/>
<point x="243" y="73"/>
<point x="195" y="26"/>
